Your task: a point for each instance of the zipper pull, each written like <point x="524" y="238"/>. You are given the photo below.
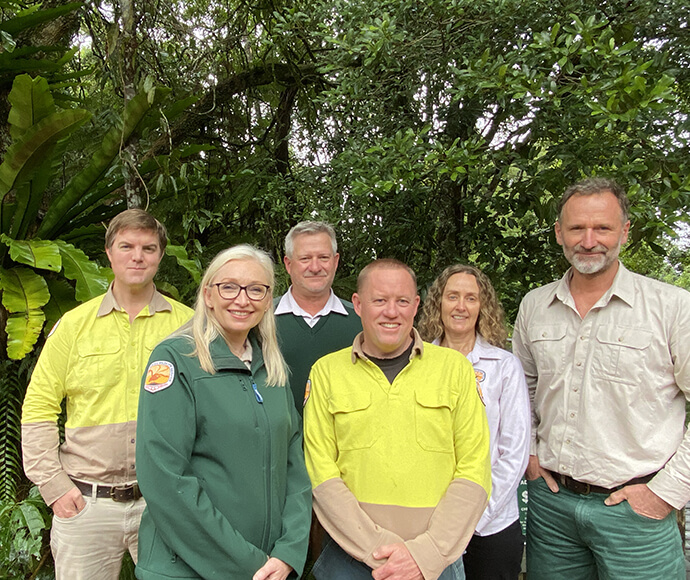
<point x="257" y="394"/>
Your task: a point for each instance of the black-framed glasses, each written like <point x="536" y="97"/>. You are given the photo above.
<point x="230" y="290"/>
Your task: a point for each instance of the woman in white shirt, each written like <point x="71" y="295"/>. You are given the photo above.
<point x="462" y="312"/>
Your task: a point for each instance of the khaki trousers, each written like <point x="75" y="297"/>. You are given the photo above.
<point x="90" y="545"/>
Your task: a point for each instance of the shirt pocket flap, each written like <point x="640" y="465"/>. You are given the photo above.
<point x="635" y="338"/>
<point x="432" y="399"/>
<point x="547" y="332"/>
<point x="349" y="403"/>
<point x="99" y="346"/>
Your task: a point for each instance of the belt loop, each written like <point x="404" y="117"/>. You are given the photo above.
<point x="94" y="492"/>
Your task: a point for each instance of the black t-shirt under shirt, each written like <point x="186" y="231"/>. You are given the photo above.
<point x="391" y="367"/>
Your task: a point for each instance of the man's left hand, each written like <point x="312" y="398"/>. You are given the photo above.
<point x="400" y="564"/>
<point x="642" y="500"/>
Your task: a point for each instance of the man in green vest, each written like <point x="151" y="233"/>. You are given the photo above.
<point x="311" y="320"/>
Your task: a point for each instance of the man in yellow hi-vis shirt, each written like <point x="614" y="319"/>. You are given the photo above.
<point x="396" y="443"/>
<point x="94" y="359"/>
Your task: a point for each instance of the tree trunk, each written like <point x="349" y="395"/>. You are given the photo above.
<point x="127" y="51"/>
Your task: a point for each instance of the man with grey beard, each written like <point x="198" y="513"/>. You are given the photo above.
<point x="606" y="353"/>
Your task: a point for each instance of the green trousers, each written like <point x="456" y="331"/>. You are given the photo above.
<point x="577" y="537"/>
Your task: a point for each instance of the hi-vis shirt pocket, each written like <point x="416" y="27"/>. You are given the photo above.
<point x="433" y="421"/>
<point x="100" y="359"/>
<point x="355" y="423"/>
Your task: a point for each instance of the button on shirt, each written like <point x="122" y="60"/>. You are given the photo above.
<point x="502" y="383"/>
<point x="288" y="305"/>
<point x="609" y="390"/>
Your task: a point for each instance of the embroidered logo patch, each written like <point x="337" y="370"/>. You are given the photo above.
<point x="481" y="395"/>
<point x="159" y="376"/>
<point x="307" y="392"/>
<point x="479" y="376"/>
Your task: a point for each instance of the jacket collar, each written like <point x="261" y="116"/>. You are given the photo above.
<point x="224" y="360"/>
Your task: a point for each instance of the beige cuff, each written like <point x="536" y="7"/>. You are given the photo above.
<point x="450" y="528"/>
<point x="54" y="489"/>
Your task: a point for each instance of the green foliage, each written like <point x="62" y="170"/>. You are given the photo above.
<point x="23" y="528"/>
<point x="38" y="132"/>
<point x="19" y="20"/>
<point x="12" y="388"/>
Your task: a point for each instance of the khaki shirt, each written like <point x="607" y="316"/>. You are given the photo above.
<point x="94" y="360"/>
<point x="609" y="390"/>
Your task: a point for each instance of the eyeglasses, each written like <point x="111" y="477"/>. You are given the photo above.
<point x="230" y="290"/>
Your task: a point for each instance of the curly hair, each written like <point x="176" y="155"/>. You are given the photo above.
<point x="491" y="320"/>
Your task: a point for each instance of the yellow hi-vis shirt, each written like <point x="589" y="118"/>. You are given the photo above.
<point x="383" y="457"/>
<point x="94" y="359"/>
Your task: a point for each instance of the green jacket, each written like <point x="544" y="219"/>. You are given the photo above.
<point x="222" y="472"/>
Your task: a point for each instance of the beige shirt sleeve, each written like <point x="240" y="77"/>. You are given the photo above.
<point x="40" y="449"/>
<point x="450" y="528"/>
<point x="346" y="522"/>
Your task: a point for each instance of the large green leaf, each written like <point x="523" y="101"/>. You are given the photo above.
<point x="31" y="102"/>
<point x="23" y="290"/>
<point x="91" y="282"/>
<point x="34" y="146"/>
<point x="180" y="254"/>
<point x="22" y="332"/>
<point x="29" y="195"/>
<point x="61" y="209"/>
<point x="42" y="254"/>
<point x="23" y="294"/>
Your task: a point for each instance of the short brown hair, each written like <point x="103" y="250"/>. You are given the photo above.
<point x="136" y="219"/>
<point x="594" y="185"/>
<point x="384" y="264"/>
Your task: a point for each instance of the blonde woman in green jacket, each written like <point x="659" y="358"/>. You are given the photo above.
<point x="219" y="445"/>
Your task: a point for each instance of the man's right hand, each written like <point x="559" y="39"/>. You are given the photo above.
<point x="535" y="471"/>
<point x="69" y="505"/>
<point x="400" y="565"/>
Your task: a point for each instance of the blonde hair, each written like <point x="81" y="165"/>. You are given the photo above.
<point x="491" y="320"/>
<point x="203" y="329"/>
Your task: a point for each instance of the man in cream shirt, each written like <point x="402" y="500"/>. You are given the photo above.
<point x="606" y="353"/>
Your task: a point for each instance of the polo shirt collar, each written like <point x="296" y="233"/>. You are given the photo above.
<point x="357" y="352"/>
<point x="158" y="303"/>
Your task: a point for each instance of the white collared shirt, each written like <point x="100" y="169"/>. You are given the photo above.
<point x="501" y="381"/>
<point x="288" y="305"/>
